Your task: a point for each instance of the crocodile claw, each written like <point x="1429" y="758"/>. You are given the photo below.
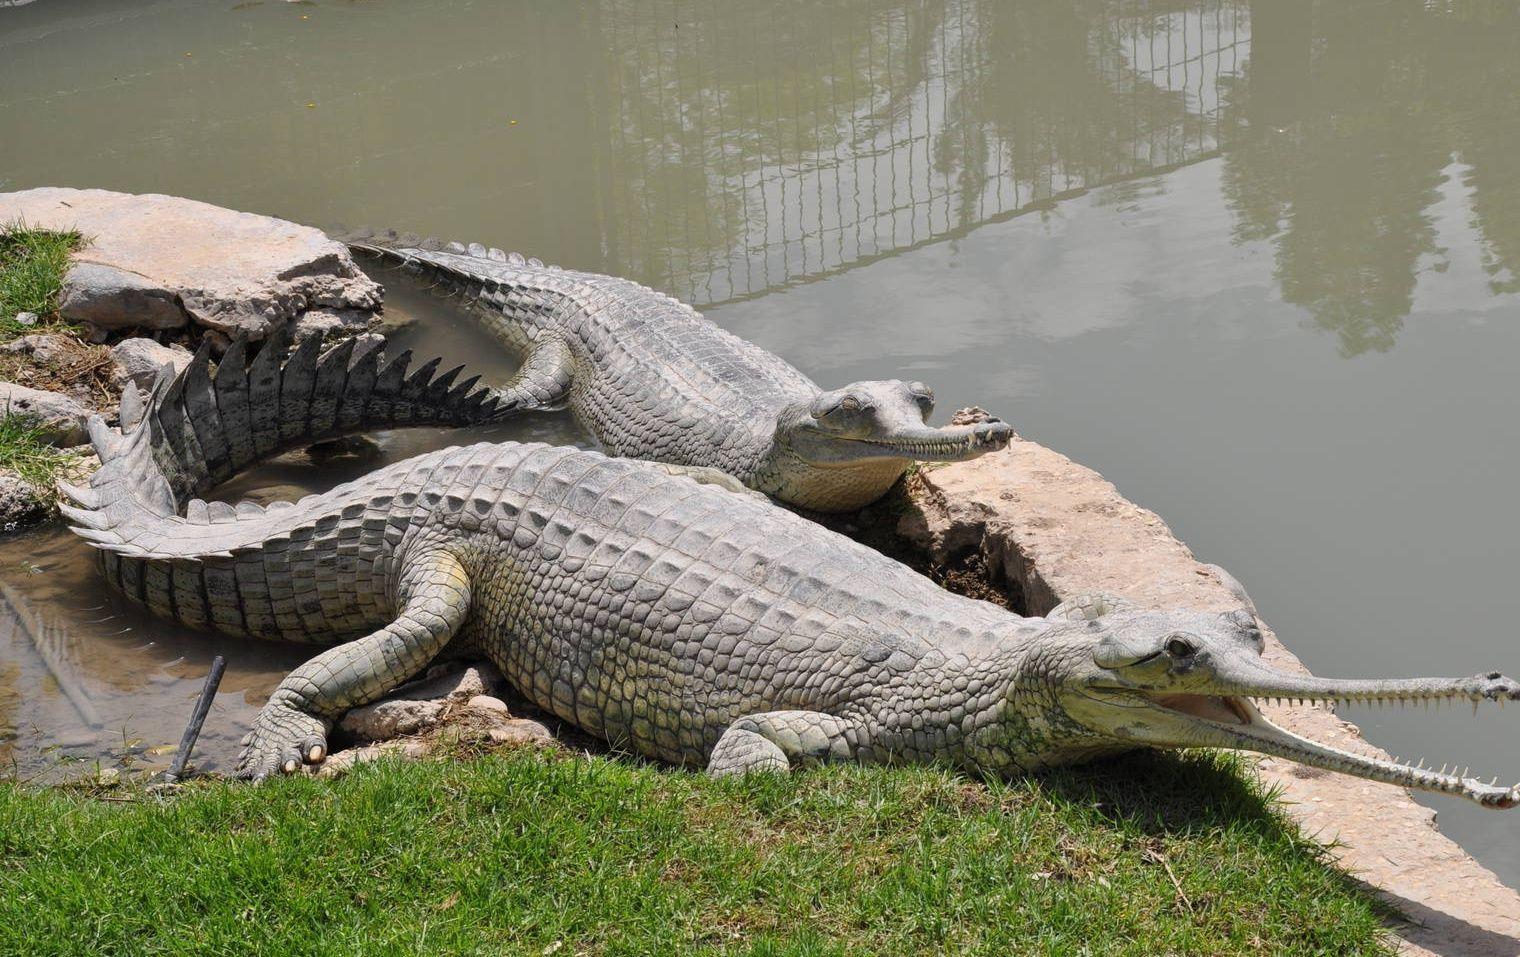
<point x="282" y="739"/>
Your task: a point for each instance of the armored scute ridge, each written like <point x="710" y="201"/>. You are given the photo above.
<point x="653" y="379"/>
<point x="667" y="615"/>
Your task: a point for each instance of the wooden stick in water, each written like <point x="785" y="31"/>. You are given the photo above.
<point x="198" y="718"/>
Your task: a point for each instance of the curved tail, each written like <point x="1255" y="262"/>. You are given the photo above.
<point x="203" y="426"/>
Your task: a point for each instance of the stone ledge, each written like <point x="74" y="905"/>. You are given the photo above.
<point x="1051" y="529"/>
<point x="162" y="262"/>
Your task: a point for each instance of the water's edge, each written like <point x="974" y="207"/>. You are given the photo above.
<point x="1045" y="529"/>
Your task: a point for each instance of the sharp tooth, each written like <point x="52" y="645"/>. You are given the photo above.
<point x="1475" y="707"/>
<point x="1443" y="770"/>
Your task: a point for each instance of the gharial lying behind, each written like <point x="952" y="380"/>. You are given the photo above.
<point x="672" y="617"/>
<point x="654" y="380"/>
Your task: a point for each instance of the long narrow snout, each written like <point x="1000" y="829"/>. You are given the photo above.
<point x="952" y="443"/>
<point x="1224" y="714"/>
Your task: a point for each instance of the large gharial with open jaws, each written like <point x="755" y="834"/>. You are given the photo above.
<point x="652" y="379"/>
<point x="665" y="615"/>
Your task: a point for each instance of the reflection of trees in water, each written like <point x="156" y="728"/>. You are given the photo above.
<point x="755" y="148"/>
<point x="1350" y="117"/>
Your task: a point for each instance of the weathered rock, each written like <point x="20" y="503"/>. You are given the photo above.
<point x="420" y="705"/>
<point x="344" y="761"/>
<point x="450" y="706"/>
<point x="138" y="360"/>
<point x="61" y="419"/>
<point x="21" y="503"/>
<point x="43" y="348"/>
<point x="487" y="703"/>
<point x="26" y="318"/>
<point x="1051" y="530"/>
<point x="332" y="323"/>
<point x="113" y="298"/>
<point x="160" y="261"/>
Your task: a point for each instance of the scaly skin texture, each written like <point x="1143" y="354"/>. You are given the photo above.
<point x="681" y="620"/>
<point x="652" y="379"/>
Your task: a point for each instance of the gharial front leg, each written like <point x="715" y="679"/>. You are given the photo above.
<point x="292" y="727"/>
<point x="777" y="740"/>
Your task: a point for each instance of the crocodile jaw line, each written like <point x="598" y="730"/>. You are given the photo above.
<point x="1234" y="722"/>
<point x="950" y="444"/>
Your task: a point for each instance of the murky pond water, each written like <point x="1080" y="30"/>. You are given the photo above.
<point x="1258" y="262"/>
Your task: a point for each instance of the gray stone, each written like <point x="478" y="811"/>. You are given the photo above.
<point x="488" y="703"/>
<point x="61" y="418"/>
<point x="138" y="360"/>
<point x="112" y="298"/>
<point x="26" y="318"/>
<point x="20" y="502"/>
<point x="333" y="323"/>
<point x="161" y="261"/>
<point x="44" y="348"/>
<point x="422" y="705"/>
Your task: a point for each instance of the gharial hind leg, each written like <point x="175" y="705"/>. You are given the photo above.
<point x="776" y="740"/>
<point x="292" y="727"/>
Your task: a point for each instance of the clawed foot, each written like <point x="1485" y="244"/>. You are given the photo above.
<point x="281" y="741"/>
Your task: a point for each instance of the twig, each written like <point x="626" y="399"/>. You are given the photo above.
<point x="197" y="718"/>
<point x="1160" y="858"/>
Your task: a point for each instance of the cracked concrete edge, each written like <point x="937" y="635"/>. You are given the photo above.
<point x="1051" y="529"/>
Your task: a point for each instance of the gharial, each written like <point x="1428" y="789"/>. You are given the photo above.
<point x="666" y="615"/>
<point x="652" y="379"/>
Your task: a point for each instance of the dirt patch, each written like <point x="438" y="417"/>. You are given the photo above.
<point x="65" y="365"/>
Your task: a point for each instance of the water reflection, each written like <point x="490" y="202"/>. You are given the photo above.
<point x="758" y="149"/>
<point x="1348" y="118"/>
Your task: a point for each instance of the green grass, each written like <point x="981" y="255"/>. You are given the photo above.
<point x="32" y="266"/>
<point x="534" y="853"/>
<point x="25" y="451"/>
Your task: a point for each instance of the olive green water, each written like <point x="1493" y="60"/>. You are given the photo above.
<point x="1256" y="262"/>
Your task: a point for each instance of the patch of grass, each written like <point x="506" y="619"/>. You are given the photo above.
<point x="32" y="266"/>
<point x="534" y="853"/>
<point x="25" y="451"/>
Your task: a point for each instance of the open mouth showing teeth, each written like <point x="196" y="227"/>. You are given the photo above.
<point x="1236" y="722"/>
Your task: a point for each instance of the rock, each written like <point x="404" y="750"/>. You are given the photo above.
<point x="420" y="705"/>
<point x="161" y="261"/>
<point x="138" y="360"/>
<point x="62" y="419"/>
<point x="331" y="323"/>
<point x="344" y="761"/>
<point x="26" y="318"/>
<point x="487" y="703"/>
<point x="44" y="348"/>
<point x="113" y="298"/>
<point x="388" y="719"/>
<point x="521" y="731"/>
<point x="21" y="503"/>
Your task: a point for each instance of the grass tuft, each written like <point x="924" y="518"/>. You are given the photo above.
<point x="533" y="852"/>
<point x="24" y="450"/>
<point x="33" y="263"/>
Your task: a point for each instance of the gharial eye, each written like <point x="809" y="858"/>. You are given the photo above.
<point x="921" y="392"/>
<point x="1179" y="647"/>
<point x="850" y="403"/>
